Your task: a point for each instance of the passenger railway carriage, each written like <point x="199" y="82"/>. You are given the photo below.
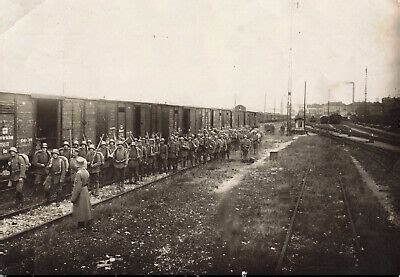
<point x="28" y="119"/>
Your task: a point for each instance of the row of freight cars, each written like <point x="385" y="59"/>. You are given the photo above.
<point x="28" y="119"/>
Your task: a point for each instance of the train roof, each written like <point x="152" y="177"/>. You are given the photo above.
<point x="35" y="95"/>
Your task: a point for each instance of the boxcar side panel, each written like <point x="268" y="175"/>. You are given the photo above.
<point x="111" y="109"/>
<point x="129" y="118"/>
<point x="25" y="124"/>
<point x="90" y="120"/>
<point x="101" y="118"/>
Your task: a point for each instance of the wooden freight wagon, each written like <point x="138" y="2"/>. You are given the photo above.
<point x="216" y="118"/>
<point x="226" y="119"/>
<point x="142" y="119"/>
<point x="17" y="123"/>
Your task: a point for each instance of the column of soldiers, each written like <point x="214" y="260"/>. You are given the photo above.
<point x="132" y="159"/>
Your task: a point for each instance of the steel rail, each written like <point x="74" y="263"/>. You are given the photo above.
<point x="108" y="199"/>
<point x="278" y="267"/>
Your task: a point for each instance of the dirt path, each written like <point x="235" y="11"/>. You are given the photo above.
<point x="221" y="218"/>
<point x="380" y="193"/>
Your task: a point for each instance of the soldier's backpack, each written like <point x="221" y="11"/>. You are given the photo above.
<point x="26" y="160"/>
<point x="102" y="159"/>
<point x="66" y="162"/>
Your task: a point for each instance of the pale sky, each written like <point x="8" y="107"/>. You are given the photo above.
<point x="200" y="53"/>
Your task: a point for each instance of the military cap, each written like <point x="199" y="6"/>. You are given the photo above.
<point x="13" y="149"/>
<point x="55" y="151"/>
<point x="44" y="145"/>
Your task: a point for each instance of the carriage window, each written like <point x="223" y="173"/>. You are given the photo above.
<point x="121" y="109"/>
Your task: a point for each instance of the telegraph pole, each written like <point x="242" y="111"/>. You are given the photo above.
<point x="305" y="93"/>
<point x="289" y="100"/>
<point x="365" y="93"/>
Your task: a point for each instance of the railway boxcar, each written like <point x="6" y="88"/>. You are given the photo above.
<point x="17" y="114"/>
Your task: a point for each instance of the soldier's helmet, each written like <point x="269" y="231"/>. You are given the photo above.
<point x="44" y="145"/>
<point x="80" y="161"/>
<point x="83" y="142"/>
<point x="103" y="142"/>
<point x="162" y="139"/>
<point x="13" y="149"/>
<point x="112" y="140"/>
<point x="76" y="143"/>
<point x="119" y="142"/>
<point x="66" y="143"/>
<point x="89" y="141"/>
<point x="91" y="146"/>
<point x="55" y="151"/>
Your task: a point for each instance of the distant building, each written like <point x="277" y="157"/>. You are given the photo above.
<point x="240" y="108"/>
<point x="299" y="122"/>
<point x="315" y="110"/>
<point x="336" y="107"/>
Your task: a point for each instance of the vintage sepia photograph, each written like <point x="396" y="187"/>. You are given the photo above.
<point x="187" y="137"/>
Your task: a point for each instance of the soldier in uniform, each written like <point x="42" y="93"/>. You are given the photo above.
<point x="218" y="148"/>
<point x="245" y="146"/>
<point x="110" y="160"/>
<point x="143" y="161"/>
<point x="56" y="176"/>
<point x="40" y="160"/>
<point x="73" y="165"/>
<point x="106" y="165"/>
<point x="94" y="161"/>
<point x="173" y="153"/>
<point x="17" y="168"/>
<point x="120" y="163"/>
<point x="80" y="198"/>
<point x="191" y="151"/>
<point x="228" y="146"/>
<point x="157" y="165"/>
<point x="163" y="157"/>
<point x="83" y="150"/>
<point x="196" y="144"/>
<point x="224" y="147"/>
<point x="183" y="151"/>
<point x="135" y="156"/>
<point x="66" y="150"/>
<point x="200" y="149"/>
<point x="150" y="156"/>
<point x="75" y="145"/>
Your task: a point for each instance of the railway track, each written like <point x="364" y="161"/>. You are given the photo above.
<point x="289" y="233"/>
<point x="371" y="151"/>
<point x="106" y="200"/>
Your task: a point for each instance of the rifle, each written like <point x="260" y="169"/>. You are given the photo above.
<point x="70" y="142"/>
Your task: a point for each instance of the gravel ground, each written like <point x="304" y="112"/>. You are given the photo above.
<point x="220" y="218"/>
